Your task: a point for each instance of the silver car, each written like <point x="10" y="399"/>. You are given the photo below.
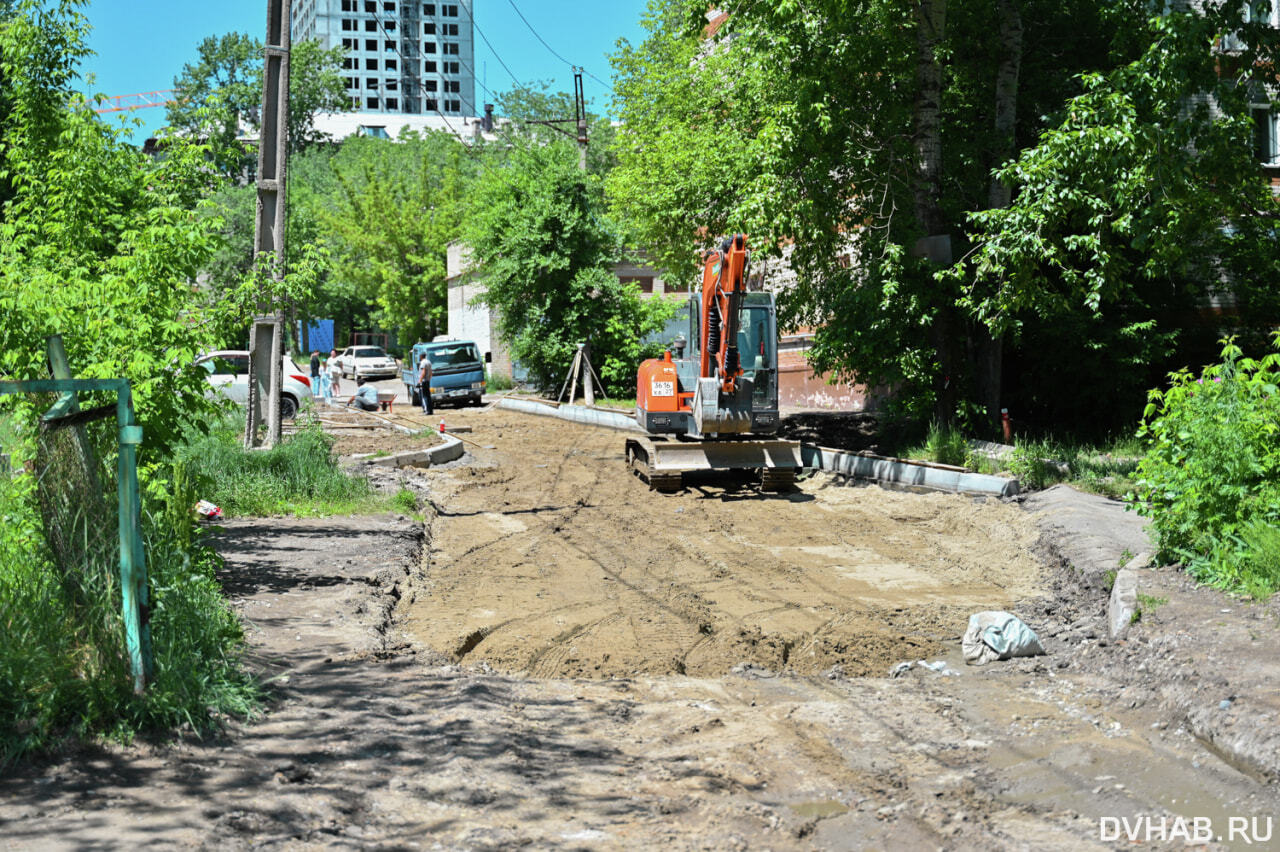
<point x="229" y="377"/>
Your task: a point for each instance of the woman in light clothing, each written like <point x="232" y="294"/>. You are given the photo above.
<point x="335" y="372"/>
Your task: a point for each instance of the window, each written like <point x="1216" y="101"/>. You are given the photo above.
<point x="348" y="24"/>
<point x="449" y="11"/>
<point x="389" y="46"/>
<point x="451" y="29"/>
<point x="389" y="85"/>
<point x="389" y="26"/>
<point x="388" y="7"/>
<point x="451" y="47"/>
<point x="431" y="104"/>
<point x="371" y="82"/>
<point x="453" y="106"/>
<point x="451" y="67"/>
<point x="370" y="6"/>
<point x="1266" y="138"/>
<point x="371" y="65"/>
<point x="389" y="64"/>
<point x="351" y="82"/>
<point x="430" y="85"/>
<point x="393" y="103"/>
<point x="428" y="29"/>
<point x="371" y="26"/>
<point x="348" y="63"/>
<point x="428" y="47"/>
<point x="349" y="44"/>
<point x="355" y="102"/>
<point x="429" y="67"/>
<point x="452" y="86"/>
<point x="428" y="8"/>
<point x="348" y="5"/>
<point x="372" y="103"/>
<point x="371" y="44"/>
<point x="377" y="131"/>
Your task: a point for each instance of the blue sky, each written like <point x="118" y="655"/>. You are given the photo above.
<point x="141" y="45"/>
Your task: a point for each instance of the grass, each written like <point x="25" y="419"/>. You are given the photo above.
<point x="298" y="477"/>
<point x="943" y="445"/>
<point x="63" y="662"/>
<point x="497" y="382"/>
<point x="1107" y="469"/>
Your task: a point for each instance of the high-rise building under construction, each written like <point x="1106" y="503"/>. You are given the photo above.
<point x="400" y="57"/>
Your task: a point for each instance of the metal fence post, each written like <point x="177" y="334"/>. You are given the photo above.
<point x="133" y="566"/>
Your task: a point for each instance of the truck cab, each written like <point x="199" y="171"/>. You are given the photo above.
<point x="457" y="371"/>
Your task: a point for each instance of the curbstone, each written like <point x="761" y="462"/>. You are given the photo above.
<point x="1123" y="602"/>
<point x="448" y="450"/>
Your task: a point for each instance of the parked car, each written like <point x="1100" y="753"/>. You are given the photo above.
<point x="457" y="373"/>
<point x="229" y="377"/>
<point x="366" y="362"/>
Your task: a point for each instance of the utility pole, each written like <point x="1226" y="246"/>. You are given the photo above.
<point x="579" y="119"/>
<point x="580" y="106"/>
<point x="266" y="336"/>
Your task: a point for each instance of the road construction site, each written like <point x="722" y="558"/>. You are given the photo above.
<point x="556" y="656"/>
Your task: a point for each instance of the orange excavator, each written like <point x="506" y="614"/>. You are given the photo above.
<point x="716" y="408"/>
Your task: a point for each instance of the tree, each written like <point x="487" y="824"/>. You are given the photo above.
<point x="546" y="249"/>
<point x="220" y="95"/>
<point x="1143" y="202"/>
<point x="100" y="242"/>
<point x="390" y="217"/>
<point x="861" y="133"/>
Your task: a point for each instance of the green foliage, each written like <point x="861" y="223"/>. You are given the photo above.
<point x="1145" y="604"/>
<point x="299" y="476"/>
<point x="540" y="237"/>
<point x="497" y="382"/>
<point x="98" y="243"/>
<point x="944" y="445"/>
<point x="404" y="501"/>
<point x="1210" y="481"/>
<point x="63" y="664"/>
<point x="390" y="217"/>
<point x="220" y="94"/>
<point x="799" y="125"/>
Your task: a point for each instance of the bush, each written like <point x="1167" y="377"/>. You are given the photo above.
<point x="1209" y="479"/>
<point x="64" y="666"/>
<point x="300" y="476"/>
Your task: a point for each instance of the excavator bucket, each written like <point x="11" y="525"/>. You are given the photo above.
<point x="663" y="463"/>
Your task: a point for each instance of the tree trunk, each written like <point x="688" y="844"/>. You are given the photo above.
<point x="989" y="374"/>
<point x="931" y="21"/>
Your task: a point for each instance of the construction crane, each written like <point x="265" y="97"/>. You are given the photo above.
<point x="714" y="409"/>
<point x="142" y="100"/>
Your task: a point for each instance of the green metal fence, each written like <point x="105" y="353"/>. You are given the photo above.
<point x="82" y="452"/>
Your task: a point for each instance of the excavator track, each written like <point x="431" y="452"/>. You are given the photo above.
<point x="663" y="463"/>
<point x="640" y="455"/>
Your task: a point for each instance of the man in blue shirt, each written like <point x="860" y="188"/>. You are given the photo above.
<point x="366" y="396"/>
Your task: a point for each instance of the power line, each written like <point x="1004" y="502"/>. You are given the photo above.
<point x="537" y="36"/>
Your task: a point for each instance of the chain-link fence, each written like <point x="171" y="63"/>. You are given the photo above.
<point x="71" y="469"/>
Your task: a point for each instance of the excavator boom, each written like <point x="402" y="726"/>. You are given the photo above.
<point x="716" y="408"/>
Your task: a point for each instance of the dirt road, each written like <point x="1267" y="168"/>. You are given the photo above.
<point x="512" y="679"/>
<point x="548" y="559"/>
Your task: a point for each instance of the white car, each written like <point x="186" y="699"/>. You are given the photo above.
<point x="229" y="377"/>
<point x="366" y="362"/>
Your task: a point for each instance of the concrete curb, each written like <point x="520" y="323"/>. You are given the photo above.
<point x="574" y="413"/>
<point x="877" y="468"/>
<point x="906" y="473"/>
<point x="450" y="449"/>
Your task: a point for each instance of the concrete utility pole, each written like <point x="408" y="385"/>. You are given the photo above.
<point x="266" y="336"/>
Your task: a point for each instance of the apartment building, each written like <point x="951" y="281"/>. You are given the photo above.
<point x="408" y="58"/>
